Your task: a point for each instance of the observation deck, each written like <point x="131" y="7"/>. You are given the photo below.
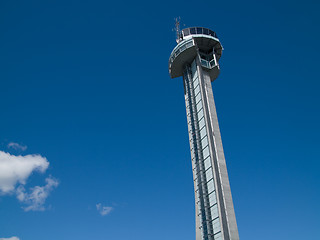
<point x="193" y="42"/>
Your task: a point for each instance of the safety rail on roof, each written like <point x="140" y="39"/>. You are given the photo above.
<point x="197" y="30"/>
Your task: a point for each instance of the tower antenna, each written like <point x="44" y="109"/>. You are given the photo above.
<point x="177" y="28"/>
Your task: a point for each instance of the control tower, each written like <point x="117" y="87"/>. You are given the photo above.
<point x="196" y="59"/>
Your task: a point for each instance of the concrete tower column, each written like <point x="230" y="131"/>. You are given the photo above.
<point x="196" y="59"/>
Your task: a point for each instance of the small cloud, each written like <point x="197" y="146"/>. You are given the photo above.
<point x="103" y="210"/>
<point x="17" y="169"/>
<point x="37" y="196"/>
<point x="11" y="238"/>
<point x="17" y="146"/>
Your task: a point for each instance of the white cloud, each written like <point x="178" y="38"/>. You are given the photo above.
<point x="103" y="210"/>
<point x="12" y="238"/>
<point x="35" y="199"/>
<point x="16" y="146"/>
<point x="16" y="169"/>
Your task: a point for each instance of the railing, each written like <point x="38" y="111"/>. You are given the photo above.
<point x="198" y="30"/>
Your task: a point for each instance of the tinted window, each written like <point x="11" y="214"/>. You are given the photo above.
<point x="211" y="33"/>
<point x="192" y="30"/>
<point x="205" y="31"/>
<point x="199" y="30"/>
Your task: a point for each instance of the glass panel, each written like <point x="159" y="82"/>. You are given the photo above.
<point x="212" y="63"/>
<point x="197" y="90"/>
<point x="206" y="152"/>
<point x="194" y="76"/>
<point x="201" y="124"/>
<point x="207" y="163"/>
<point x="196" y="82"/>
<point x="210" y="186"/>
<point x="211" y="33"/>
<point x="213" y="200"/>
<point x="199" y="30"/>
<point x="209" y="173"/>
<point x="205" y="31"/>
<point x="214" y="211"/>
<point x="216" y="225"/>
<point x="200" y="114"/>
<point x="203" y="132"/>
<point x="198" y="97"/>
<point x="218" y="236"/>
<point x="192" y="30"/>
<point x="199" y="106"/>
<point x="204" y="62"/>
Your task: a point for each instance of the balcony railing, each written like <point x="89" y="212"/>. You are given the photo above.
<point x="198" y="30"/>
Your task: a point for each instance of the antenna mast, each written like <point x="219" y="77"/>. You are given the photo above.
<point x="177" y="28"/>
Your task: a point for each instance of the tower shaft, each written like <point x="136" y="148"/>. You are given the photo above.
<point x="195" y="58"/>
<point x="215" y="217"/>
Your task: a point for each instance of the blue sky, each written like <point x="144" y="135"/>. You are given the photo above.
<point x="85" y="92"/>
